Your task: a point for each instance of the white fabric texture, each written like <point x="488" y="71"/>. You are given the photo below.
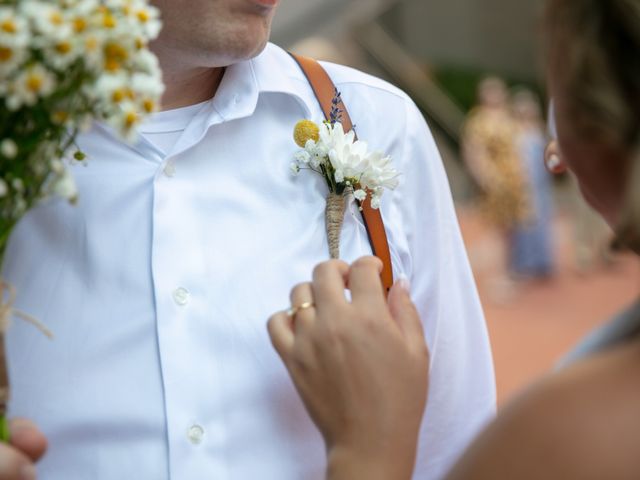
<point x="164" y="129"/>
<point x="158" y="287"/>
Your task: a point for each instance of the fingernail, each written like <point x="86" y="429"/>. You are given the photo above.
<point x="28" y="472"/>
<point x="403" y="283"/>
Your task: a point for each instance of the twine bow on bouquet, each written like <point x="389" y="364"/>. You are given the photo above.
<point x="64" y="64"/>
<point x="347" y="166"/>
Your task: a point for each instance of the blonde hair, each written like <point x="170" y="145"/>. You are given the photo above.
<point x="600" y="69"/>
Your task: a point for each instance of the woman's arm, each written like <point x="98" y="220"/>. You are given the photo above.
<point x="361" y="368"/>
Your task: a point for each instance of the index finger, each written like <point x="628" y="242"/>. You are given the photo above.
<point x="365" y="284"/>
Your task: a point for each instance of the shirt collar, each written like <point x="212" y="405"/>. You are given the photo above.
<point x="273" y="71"/>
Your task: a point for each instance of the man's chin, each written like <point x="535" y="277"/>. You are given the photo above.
<point x="246" y="51"/>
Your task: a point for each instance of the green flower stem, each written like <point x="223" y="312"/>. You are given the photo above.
<point x="4" y="429"/>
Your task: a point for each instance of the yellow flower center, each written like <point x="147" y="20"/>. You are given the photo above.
<point x="6" y="54"/>
<point x="9" y="26"/>
<point x="118" y="95"/>
<point x="149" y="105"/>
<point x="130" y="119"/>
<point x="34" y="82"/>
<point x="63" y="48"/>
<point x="115" y="55"/>
<point x="56" y="18"/>
<point x="109" y="21"/>
<point x="304" y="131"/>
<point x="60" y="116"/>
<point x="143" y="16"/>
<point x="79" y="25"/>
<point x="121" y="94"/>
<point x="91" y="44"/>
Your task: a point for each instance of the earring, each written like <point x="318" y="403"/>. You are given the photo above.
<point x="553" y="160"/>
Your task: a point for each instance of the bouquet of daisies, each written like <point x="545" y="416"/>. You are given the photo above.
<point x="347" y="166"/>
<point x="63" y="64"/>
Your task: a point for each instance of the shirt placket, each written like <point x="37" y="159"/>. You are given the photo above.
<point x="195" y="431"/>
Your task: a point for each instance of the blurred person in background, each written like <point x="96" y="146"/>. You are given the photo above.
<point x="532" y="251"/>
<point x="492" y="155"/>
<point x="358" y="365"/>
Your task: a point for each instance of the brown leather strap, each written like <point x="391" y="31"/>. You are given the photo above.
<point x="325" y="90"/>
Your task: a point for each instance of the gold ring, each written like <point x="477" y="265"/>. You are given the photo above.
<point x="293" y="311"/>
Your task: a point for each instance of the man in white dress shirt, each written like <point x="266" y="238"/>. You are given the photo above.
<point x="159" y="283"/>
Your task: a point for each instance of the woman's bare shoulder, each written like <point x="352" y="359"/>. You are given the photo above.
<point x="583" y="422"/>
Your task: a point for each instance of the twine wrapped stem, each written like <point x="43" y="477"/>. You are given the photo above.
<point x="336" y="206"/>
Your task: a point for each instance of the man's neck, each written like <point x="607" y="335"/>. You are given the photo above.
<point x="188" y="86"/>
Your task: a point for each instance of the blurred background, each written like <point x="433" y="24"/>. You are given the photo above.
<point x="543" y="261"/>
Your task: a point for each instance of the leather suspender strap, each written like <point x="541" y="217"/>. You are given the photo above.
<point x="325" y="90"/>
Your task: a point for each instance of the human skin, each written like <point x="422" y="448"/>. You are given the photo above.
<point x="27" y="445"/>
<point x="361" y="367"/>
<point x="200" y="38"/>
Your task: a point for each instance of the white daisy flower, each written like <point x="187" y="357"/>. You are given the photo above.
<point x="8" y="148"/>
<point x="14" y="41"/>
<point x="64" y="186"/>
<point x="360" y="195"/>
<point x="144" y="61"/>
<point x="29" y="86"/>
<point x="47" y="18"/>
<point x="145" y="85"/>
<point x="112" y="89"/>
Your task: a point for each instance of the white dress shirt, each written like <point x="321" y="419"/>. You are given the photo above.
<point x="159" y="283"/>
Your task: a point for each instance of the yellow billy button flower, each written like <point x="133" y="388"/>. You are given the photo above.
<point x="304" y="131"/>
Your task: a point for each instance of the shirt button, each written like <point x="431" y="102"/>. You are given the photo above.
<point x="195" y="434"/>
<point x="169" y="169"/>
<point x="181" y="296"/>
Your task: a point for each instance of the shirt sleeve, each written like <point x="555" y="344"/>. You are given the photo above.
<point x="462" y="395"/>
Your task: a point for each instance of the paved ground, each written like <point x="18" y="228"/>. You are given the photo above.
<point x="533" y="326"/>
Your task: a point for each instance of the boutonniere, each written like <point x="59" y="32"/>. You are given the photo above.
<point x="347" y="166"/>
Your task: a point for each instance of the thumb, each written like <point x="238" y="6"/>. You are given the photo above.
<point x="404" y="311"/>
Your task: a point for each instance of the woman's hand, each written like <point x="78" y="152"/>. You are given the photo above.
<point x="26" y="447"/>
<point x="361" y="367"/>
